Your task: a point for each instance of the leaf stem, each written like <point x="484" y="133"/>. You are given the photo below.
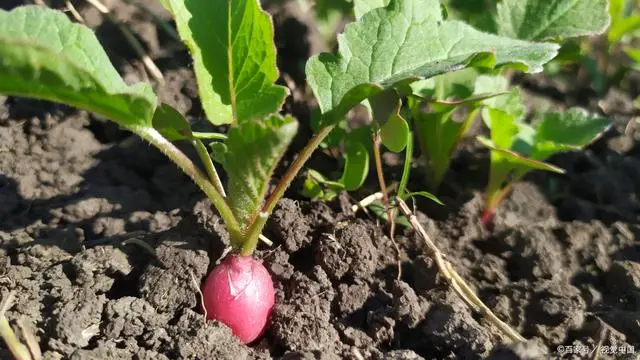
<point x="208" y="165"/>
<point x="251" y="238"/>
<point x="406" y="170"/>
<point x="189" y="168"/>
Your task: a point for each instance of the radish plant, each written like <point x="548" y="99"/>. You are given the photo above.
<point x="518" y="147"/>
<point x="44" y="55"/>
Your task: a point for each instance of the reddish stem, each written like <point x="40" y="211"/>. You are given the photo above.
<point x="487" y="216"/>
<point x="492" y="203"/>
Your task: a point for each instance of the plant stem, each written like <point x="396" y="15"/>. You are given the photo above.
<point x="492" y="203"/>
<point x="391" y="214"/>
<point x="293" y="170"/>
<point x="208" y="165"/>
<point x="189" y="168"/>
<point x="380" y="174"/>
<point x="253" y="235"/>
<point x="406" y="170"/>
<point x="251" y="238"/>
<point x="437" y="170"/>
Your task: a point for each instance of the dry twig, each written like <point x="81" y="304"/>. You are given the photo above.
<point x="132" y="40"/>
<point x="195" y="284"/>
<point x="362" y="204"/>
<point x="30" y="339"/>
<point x="72" y="9"/>
<point x="455" y="280"/>
<point x="16" y="348"/>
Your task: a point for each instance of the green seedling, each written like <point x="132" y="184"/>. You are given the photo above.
<point x="518" y="148"/>
<point x="434" y="103"/>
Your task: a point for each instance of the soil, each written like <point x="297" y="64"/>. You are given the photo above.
<point x="105" y="243"/>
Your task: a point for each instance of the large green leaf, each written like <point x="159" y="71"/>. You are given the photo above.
<point x="234" y="58"/>
<point x="403" y="42"/>
<point x="250" y="156"/>
<point x="44" y="55"/>
<point x="546" y="19"/>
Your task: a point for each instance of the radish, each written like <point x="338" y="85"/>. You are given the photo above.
<point x="239" y="293"/>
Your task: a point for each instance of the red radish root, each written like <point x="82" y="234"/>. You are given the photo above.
<point x="239" y="293"/>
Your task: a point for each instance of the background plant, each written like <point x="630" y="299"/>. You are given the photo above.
<point x="432" y="103"/>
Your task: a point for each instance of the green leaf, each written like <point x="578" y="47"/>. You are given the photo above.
<point x="624" y="20"/>
<point x="326" y="9"/>
<point x="516" y="160"/>
<point x="378" y="209"/>
<point x="44" y="55"/>
<point x="171" y="124"/>
<point x="317" y="187"/>
<point x="503" y="126"/>
<point x="166" y="4"/>
<point x="424" y="194"/>
<point x="439" y="134"/>
<point x="479" y="14"/>
<point x="385" y="109"/>
<point x="361" y="7"/>
<point x="509" y="102"/>
<point x="312" y="189"/>
<point x="623" y="27"/>
<point x="451" y="85"/>
<point x="634" y="54"/>
<point x="394" y="133"/>
<point x="569" y="130"/>
<point x="548" y="19"/>
<point x="517" y="148"/>
<point x="404" y="42"/>
<point x="250" y="156"/>
<point x="356" y="167"/>
<point x="234" y="58"/>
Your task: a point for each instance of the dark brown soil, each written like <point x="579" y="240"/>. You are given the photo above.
<point x="81" y="205"/>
